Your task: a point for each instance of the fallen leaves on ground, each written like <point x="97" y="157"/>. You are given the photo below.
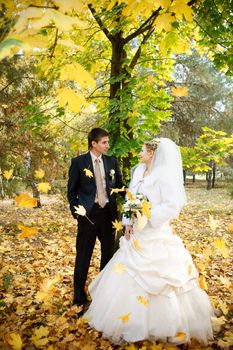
<point x="36" y="274"/>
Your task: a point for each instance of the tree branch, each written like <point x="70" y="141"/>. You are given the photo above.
<point x="144" y="27"/>
<point x="138" y="52"/>
<point x="100" y="23"/>
<point x="55" y="44"/>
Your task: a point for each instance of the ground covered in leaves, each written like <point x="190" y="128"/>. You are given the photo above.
<point x="36" y="273"/>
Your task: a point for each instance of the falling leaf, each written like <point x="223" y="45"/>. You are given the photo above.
<point x="24" y="200"/>
<point x="119" y="267"/>
<point x="14" y="340"/>
<point x="44" y="187"/>
<point x="202" y="282"/>
<point x="125" y="318"/>
<point x="136" y="244"/>
<point x="116" y="190"/>
<point x="80" y="210"/>
<point x="179" y="91"/>
<point x="190" y="269"/>
<point x="117" y="225"/>
<point x="88" y="172"/>
<point x="146" y="207"/>
<point x="27" y="231"/>
<point x="143" y="301"/>
<point x="39" y="174"/>
<point x="180" y="336"/>
<point x="129" y="195"/>
<point x="221" y="246"/>
<point x="7" y="174"/>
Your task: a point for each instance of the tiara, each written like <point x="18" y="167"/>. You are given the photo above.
<point x="153" y="143"/>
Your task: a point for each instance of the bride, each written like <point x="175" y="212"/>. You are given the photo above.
<point x="149" y="289"/>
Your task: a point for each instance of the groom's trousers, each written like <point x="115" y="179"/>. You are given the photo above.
<point x="85" y="243"/>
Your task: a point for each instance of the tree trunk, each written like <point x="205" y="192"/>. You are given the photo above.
<point x="184" y="176"/>
<point x="209" y="175"/>
<point x="2" y="192"/>
<point x="194" y="178"/>
<point x="214" y="174"/>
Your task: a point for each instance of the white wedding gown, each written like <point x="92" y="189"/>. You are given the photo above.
<point x="149" y="289"/>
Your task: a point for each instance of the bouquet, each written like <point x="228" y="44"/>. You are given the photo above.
<point x="137" y="208"/>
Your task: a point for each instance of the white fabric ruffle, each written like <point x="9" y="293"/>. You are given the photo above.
<point x="149" y="290"/>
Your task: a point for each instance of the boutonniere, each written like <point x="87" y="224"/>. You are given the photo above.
<point x="112" y="174"/>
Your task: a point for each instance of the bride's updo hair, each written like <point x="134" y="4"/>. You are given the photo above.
<point x="152" y="145"/>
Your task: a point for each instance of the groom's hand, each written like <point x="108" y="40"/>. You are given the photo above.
<point x="128" y="231"/>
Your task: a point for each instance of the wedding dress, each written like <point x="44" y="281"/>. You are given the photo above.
<point x="149" y="289"/>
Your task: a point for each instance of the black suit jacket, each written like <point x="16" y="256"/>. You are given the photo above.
<point x="82" y="189"/>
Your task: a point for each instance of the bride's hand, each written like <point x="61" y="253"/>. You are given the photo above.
<point x="128" y="231"/>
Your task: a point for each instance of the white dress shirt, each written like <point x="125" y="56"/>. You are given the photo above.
<point x="93" y="158"/>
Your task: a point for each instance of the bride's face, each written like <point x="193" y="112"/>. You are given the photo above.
<point x="145" y="155"/>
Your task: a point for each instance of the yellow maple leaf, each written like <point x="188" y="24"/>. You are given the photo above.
<point x="47" y="288"/>
<point x="73" y="99"/>
<point x="117" y="225"/>
<point x="180" y="336"/>
<point x="44" y="187"/>
<point x="180" y="8"/>
<point x="76" y="72"/>
<point x="125" y="318"/>
<point x="213" y="223"/>
<point x="69" y="5"/>
<point x="119" y="267"/>
<point x="24" y="200"/>
<point x="164" y="22"/>
<point x="27" y="231"/>
<point x="14" y="339"/>
<point x="202" y="282"/>
<point x="129" y="195"/>
<point x="117" y="190"/>
<point x="221" y="246"/>
<point x="179" y="91"/>
<point x="80" y="210"/>
<point x="7" y="174"/>
<point x="39" y="174"/>
<point x="39" y="337"/>
<point x="143" y="301"/>
<point x="165" y="3"/>
<point x="88" y="172"/>
<point x="224" y="307"/>
<point x="146" y="207"/>
<point x="230" y="228"/>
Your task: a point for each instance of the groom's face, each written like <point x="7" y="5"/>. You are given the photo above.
<point x="101" y="146"/>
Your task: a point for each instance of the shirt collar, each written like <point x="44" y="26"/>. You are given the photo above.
<point x="93" y="157"/>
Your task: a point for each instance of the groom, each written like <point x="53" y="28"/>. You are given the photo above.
<point x="91" y="177"/>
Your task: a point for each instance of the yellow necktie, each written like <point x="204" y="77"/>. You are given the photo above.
<point x="99" y="184"/>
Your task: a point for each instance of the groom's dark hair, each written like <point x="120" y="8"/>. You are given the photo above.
<point x="96" y="135"/>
